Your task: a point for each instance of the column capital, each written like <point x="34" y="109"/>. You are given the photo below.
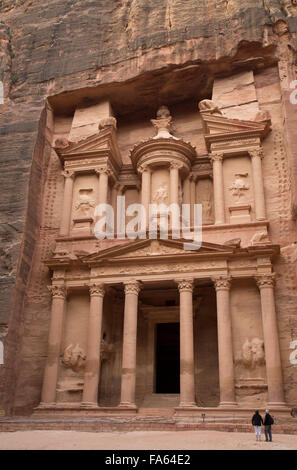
<point x="222" y="282"/>
<point x="256" y="153"/>
<point x="185" y="285"/>
<point x="103" y="169"/>
<point x="144" y="168"/>
<point x="265" y="280"/>
<point x="58" y="291"/>
<point x="216" y="156"/>
<point x="67" y="173"/>
<point x="97" y="290"/>
<point x="176" y="165"/>
<point x="132" y="287"/>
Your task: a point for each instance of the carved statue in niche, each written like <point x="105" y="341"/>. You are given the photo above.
<point x="253" y="353"/>
<point x="107" y="350"/>
<point x="74" y="357"/>
<point x="163" y="123"/>
<point x="239" y="187"/>
<point x="207" y="203"/>
<point x="85" y="203"/>
<point x="160" y="196"/>
<point x="251" y="371"/>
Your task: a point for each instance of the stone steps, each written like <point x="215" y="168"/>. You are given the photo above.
<point x="160" y="401"/>
<point x="128" y="424"/>
<point x="156" y="412"/>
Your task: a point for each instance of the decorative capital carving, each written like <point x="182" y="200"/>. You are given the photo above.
<point x="142" y="168"/>
<point x="97" y="290"/>
<point x="176" y="165"/>
<point x="222" y="282"/>
<point x="256" y="153"/>
<point x="68" y="174"/>
<point x="185" y="285"/>
<point x="215" y="157"/>
<point x="265" y="280"/>
<point x="103" y="169"/>
<point x="57" y="291"/>
<point x="132" y="287"/>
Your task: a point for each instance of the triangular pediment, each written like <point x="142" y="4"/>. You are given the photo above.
<point x="215" y="124"/>
<point x="154" y="248"/>
<point x="102" y="142"/>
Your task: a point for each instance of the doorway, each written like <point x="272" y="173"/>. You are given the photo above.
<point x="167" y="360"/>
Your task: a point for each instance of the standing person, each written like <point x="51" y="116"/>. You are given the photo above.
<point x="268" y="421"/>
<point x="257" y="421"/>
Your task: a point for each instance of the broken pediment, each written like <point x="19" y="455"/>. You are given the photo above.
<point x="218" y="128"/>
<point x="102" y="144"/>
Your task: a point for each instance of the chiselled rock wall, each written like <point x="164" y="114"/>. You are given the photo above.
<point x="68" y="53"/>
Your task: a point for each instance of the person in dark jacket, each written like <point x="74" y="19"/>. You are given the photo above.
<point x="257" y="421"/>
<point x="268" y="421"/>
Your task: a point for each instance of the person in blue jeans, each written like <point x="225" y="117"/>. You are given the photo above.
<point x="268" y="422"/>
<point x="257" y="421"/>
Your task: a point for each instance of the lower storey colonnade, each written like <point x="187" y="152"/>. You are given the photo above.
<point x="187" y="399"/>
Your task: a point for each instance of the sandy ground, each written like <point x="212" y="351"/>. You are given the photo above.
<point x="196" y="440"/>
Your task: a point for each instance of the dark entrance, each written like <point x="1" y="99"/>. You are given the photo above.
<point x="167" y="358"/>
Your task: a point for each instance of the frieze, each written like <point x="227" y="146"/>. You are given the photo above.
<point x="163" y="268"/>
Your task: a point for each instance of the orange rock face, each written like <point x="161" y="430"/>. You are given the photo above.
<point x="81" y="83"/>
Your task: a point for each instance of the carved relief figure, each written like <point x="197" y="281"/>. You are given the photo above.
<point x="160" y="196"/>
<point x="85" y="203"/>
<point x="74" y="357"/>
<point x="239" y="187"/>
<point x="107" y="350"/>
<point x="209" y="106"/>
<point x="207" y="203"/>
<point x="253" y="353"/>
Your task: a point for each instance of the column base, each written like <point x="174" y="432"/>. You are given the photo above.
<point x="276" y="404"/>
<point x="228" y="404"/>
<point x="188" y="405"/>
<point x="43" y="404"/>
<point x="128" y="405"/>
<point x="89" y="404"/>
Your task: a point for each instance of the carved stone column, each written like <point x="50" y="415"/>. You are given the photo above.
<point x="92" y="368"/>
<point x="187" y="371"/>
<point x="256" y="156"/>
<point x="187" y="191"/>
<point x="218" y="187"/>
<point x="193" y="179"/>
<point x="67" y="203"/>
<point x="48" y="395"/>
<point x="226" y="366"/>
<point x="103" y="174"/>
<point x="145" y="189"/>
<point x="174" y="181"/>
<point x="132" y="289"/>
<point x="265" y="283"/>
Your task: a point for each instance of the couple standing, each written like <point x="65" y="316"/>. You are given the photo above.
<point x="257" y="421"/>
